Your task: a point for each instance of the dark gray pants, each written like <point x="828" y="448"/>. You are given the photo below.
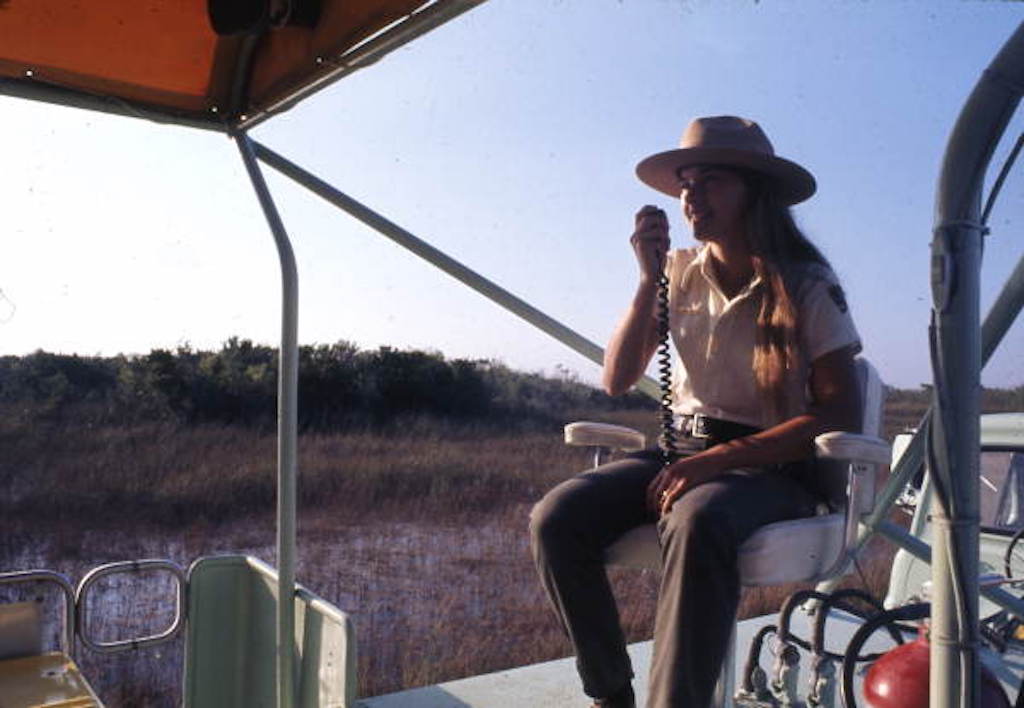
<point x="573" y="524"/>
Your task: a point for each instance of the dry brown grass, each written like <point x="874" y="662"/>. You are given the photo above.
<point x="420" y="538"/>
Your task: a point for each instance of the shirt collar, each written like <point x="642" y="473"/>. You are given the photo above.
<point x="703" y="263"/>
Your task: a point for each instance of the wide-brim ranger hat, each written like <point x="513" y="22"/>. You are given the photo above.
<point x="731" y="142"/>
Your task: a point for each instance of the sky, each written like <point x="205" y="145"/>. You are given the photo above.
<point x="508" y="139"/>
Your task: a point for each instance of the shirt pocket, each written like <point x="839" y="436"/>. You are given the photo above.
<point x="689" y="323"/>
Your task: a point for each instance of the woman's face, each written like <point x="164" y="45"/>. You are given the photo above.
<point x="714" y="201"/>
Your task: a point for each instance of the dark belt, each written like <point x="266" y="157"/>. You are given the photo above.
<point x="713" y="431"/>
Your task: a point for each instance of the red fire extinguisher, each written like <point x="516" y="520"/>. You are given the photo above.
<point x="899" y="679"/>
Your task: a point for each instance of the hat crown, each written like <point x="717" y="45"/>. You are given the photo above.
<point x="728" y="133"/>
<point x="727" y="141"/>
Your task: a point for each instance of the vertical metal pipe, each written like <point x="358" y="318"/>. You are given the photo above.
<point x="287" y="429"/>
<point x="954" y="444"/>
<point x="956" y="441"/>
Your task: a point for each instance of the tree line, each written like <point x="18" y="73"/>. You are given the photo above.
<point x="340" y="387"/>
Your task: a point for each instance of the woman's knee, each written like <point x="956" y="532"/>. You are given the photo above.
<point x="550" y="519"/>
<point x="589" y="504"/>
<point x="568" y="514"/>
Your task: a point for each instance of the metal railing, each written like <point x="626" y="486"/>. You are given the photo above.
<point x="133" y="567"/>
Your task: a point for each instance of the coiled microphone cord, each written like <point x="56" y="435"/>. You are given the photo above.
<point x="667" y="439"/>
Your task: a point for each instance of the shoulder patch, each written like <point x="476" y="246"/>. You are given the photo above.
<point x="838" y="297"/>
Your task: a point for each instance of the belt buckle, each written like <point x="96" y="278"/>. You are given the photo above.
<point x="700" y="427"/>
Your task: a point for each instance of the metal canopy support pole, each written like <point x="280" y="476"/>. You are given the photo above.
<point x="449" y="265"/>
<point x="287" y="429"/>
<point x="954" y="442"/>
<point x="1003" y="313"/>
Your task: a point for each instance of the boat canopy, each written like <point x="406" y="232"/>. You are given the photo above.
<point x="166" y="61"/>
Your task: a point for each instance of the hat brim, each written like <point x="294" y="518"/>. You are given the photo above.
<point x="791" y="182"/>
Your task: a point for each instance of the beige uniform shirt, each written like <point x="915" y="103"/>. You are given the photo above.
<point x="714" y="337"/>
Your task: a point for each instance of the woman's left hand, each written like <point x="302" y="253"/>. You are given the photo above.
<point x="676" y="479"/>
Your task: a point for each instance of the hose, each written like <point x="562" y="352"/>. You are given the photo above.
<point x="907" y="613"/>
<point x="837" y="600"/>
<point x="1008" y="556"/>
<point x="753" y="679"/>
<point x="823" y="667"/>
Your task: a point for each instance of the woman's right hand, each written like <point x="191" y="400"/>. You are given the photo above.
<point x="632" y="345"/>
<point x="650" y="241"/>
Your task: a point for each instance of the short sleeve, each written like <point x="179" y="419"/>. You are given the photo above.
<point x="824" y="319"/>
<point x="676" y="263"/>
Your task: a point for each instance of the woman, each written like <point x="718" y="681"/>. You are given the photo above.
<point x="765" y="349"/>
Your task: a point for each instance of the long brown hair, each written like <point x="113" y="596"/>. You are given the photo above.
<point x="776" y="246"/>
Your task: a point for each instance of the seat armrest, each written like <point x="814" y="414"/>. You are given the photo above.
<point x="607" y="435"/>
<point x="865" y="449"/>
<point x="863" y="455"/>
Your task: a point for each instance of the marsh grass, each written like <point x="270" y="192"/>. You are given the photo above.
<point x="419" y="535"/>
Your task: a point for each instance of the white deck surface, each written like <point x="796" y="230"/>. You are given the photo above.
<point x="554" y="684"/>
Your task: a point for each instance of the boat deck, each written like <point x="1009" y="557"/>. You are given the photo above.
<point x="555" y="684"/>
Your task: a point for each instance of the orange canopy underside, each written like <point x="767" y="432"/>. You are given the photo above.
<point x="164" y="53"/>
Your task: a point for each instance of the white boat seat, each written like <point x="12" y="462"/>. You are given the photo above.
<point x="798" y="550"/>
<point x="767" y="558"/>
<point x="786" y="551"/>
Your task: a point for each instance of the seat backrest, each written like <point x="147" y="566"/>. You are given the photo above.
<point x="829" y="477"/>
<point x="231" y="639"/>
<point x="873" y="400"/>
<point x="21" y="625"/>
<point x="872" y="397"/>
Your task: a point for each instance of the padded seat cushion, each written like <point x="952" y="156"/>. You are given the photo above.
<point x="50" y="679"/>
<point x="787" y="551"/>
<point x="637" y="548"/>
<point x="792" y="551"/>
